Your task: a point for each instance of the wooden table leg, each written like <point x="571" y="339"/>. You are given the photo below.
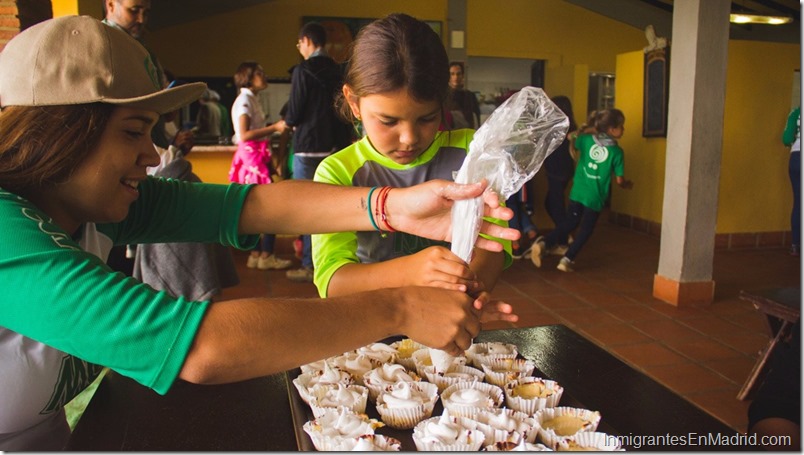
<point x="758" y="372"/>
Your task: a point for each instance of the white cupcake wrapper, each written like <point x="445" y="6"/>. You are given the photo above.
<point x="461" y="410"/>
<point x="474" y="444"/>
<point x="479" y="352"/>
<point x="515" y="369"/>
<point x="531" y="406"/>
<point x="421" y="359"/>
<point x="444" y="381"/>
<point x="549" y="437"/>
<point x="407" y="418"/>
<point x="304" y="384"/>
<point x="503" y="446"/>
<point x="376" y="389"/>
<point x="526" y="426"/>
<point x="601" y="442"/>
<point x="319" y="391"/>
<point x="381" y="443"/>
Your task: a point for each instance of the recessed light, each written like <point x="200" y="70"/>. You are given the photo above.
<point x="757" y="19"/>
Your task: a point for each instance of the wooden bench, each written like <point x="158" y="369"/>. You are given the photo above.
<point x="782" y="308"/>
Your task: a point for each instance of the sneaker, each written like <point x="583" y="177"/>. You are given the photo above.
<point x="302" y="275"/>
<point x="273" y="262"/>
<point x="558" y="250"/>
<point x="794" y="250"/>
<point x="537" y="251"/>
<point x="252" y="262"/>
<point x="565" y="265"/>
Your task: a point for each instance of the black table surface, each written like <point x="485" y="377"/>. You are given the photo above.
<point x="257" y="414"/>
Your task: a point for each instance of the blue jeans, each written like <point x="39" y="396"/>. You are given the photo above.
<point x="578" y="216"/>
<point x="794" y="169"/>
<point x="266" y="243"/>
<point x="554" y="201"/>
<point x="521" y="220"/>
<point x="304" y="169"/>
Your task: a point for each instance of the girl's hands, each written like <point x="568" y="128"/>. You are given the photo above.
<point x="425" y="210"/>
<point x="437" y="266"/>
<point x="494" y="310"/>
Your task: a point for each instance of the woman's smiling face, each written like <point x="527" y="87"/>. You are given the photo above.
<point x="104" y="186"/>
<point x="398" y="126"/>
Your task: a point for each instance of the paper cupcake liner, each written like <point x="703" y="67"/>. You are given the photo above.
<point x="500" y="371"/>
<point x="526" y="427"/>
<point x="421" y="359"/>
<point x="549" y="437"/>
<point x="305" y="382"/>
<point x="474" y="443"/>
<point x="406" y="360"/>
<point x="377" y="443"/>
<point x="407" y="418"/>
<point x="600" y="442"/>
<point x="445" y="381"/>
<point x="320" y="391"/>
<point x="375" y="389"/>
<point x="532" y="405"/>
<point x="329" y="442"/>
<point x="507" y="446"/>
<point x="479" y="352"/>
<point x="462" y="410"/>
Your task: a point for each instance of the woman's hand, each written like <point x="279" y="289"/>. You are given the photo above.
<point x="425" y="210"/>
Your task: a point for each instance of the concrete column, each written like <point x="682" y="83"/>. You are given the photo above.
<point x="694" y="141"/>
<point x="456" y="22"/>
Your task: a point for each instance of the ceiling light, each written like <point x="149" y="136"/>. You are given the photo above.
<point x="756" y="19"/>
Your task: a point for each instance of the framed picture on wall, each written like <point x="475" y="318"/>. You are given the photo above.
<point x="654" y="109"/>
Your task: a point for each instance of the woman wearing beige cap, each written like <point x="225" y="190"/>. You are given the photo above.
<point x="78" y="101"/>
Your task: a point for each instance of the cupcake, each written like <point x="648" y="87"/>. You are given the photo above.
<point x="329" y="375"/>
<point x="503" y="424"/>
<point x="371" y="443"/>
<point x="379" y="353"/>
<point x="327" y="396"/>
<point x="330" y="430"/>
<point x="421" y="360"/>
<point x="502" y="370"/>
<point x="405" y="404"/>
<point x="385" y="376"/>
<point x="591" y="441"/>
<point x="479" y="353"/>
<point x="445" y="433"/>
<point x="454" y="375"/>
<point x="529" y="394"/>
<point x="312" y="367"/>
<point x="521" y="446"/>
<point x="561" y="422"/>
<point x="404" y="352"/>
<point x="355" y="364"/>
<point x="467" y="399"/>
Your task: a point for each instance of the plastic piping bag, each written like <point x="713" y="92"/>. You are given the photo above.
<point x="507" y="150"/>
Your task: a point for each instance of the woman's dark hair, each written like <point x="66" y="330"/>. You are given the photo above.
<point x="244" y="74"/>
<point x="603" y="120"/>
<point x="565" y="105"/>
<point x="397" y="51"/>
<point x="43" y="145"/>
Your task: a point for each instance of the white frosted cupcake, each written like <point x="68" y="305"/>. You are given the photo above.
<point x="454" y="375"/>
<point x="404" y="352"/>
<point x="329" y="375"/>
<point x="371" y="443"/>
<point x="445" y="433"/>
<point x="379" y="353"/>
<point x="385" y="376"/>
<point x="355" y="364"/>
<point x="330" y="430"/>
<point x="503" y="424"/>
<point x="521" y="446"/>
<point x="529" y="394"/>
<point x="479" y="353"/>
<point x="591" y="441"/>
<point x="502" y="370"/>
<point x="561" y="422"/>
<point x="405" y="404"/>
<point x="467" y="399"/>
<point x="421" y="360"/>
<point x="312" y="367"/>
<point x="327" y="396"/>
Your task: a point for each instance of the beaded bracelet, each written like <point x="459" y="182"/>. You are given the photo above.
<point x="383" y="216"/>
<point x="371" y="215"/>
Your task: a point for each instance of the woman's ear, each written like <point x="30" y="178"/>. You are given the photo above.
<point x="352" y="100"/>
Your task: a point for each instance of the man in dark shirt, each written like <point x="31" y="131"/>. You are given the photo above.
<point x="317" y="129"/>
<point x="464" y="107"/>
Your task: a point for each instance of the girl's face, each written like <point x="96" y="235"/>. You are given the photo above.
<point x="397" y="125"/>
<point x="616" y="132"/>
<point x="258" y="82"/>
<point x="104" y="186"/>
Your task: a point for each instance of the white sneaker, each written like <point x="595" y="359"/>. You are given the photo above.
<point x="558" y="250"/>
<point x="565" y="265"/>
<point x="273" y="262"/>
<point x="252" y="262"/>
<point x="537" y="251"/>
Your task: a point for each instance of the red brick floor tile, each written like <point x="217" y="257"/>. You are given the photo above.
<point x="736" y="369"/>
<point x="613" y="334"/>
<point x="644" y="355"/>
<point x="723" y="405"/>
<point x="687" y="378"/>
<point x="586" y="316"/>
<point x="635" y="312"/>
<point x="668" y="331"/>
<point x="705" y="350"/>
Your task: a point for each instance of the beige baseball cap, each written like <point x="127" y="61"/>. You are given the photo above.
<point x="80" y="60"/>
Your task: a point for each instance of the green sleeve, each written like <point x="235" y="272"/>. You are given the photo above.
<point x="791" y="129"/>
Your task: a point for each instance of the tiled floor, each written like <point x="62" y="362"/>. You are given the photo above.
<point x="702" y="353"/>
